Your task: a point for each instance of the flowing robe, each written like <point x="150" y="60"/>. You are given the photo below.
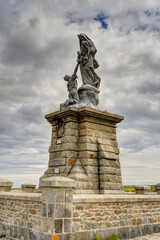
<point x="87" y="62"/>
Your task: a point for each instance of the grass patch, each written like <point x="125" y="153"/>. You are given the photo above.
<point x="131" y="188"/>
<point x="97" y="238"/>
<point x="113" y="237"/>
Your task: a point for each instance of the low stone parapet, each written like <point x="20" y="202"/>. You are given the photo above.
<point x="142" y="189"/>
<point x="5" y="185"/>
<point x="57" y="212"/>
<point x="157" y="188"/>
<point x="126" y="215"/>
<point x="28" y="187"/>
<point x="20" y="214"/>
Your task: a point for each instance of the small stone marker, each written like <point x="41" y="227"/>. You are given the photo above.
<point x="157" y="187"/>
<point x="56" y="170"/>
<point x="59" y="141"/>
<point x="28" y="187"/>
<point x="5" y="185"/>
<point x="142" y="189"/>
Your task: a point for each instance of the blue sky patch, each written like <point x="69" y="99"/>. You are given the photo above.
<point x="102" y="19"/>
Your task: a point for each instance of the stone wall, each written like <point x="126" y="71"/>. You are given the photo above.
<point x="20" y="215"/>
<point x="56" y="211"/>
<point x="126" y="215"/>
<point x="20" y="210"/>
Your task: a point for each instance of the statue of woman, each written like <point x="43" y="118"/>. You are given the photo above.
<point x="87" y="61"/>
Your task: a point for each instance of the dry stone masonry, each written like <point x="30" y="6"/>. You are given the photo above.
<point x="125" y="215"/>
<point x="58" y="212"/>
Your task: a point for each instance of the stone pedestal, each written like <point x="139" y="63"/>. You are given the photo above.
<point x="28" y="187"/>
<point x="142" y="189"/>
<point x="157" y="188"/>
<point x="5" y="185"/>
<point x="84" y="147"/>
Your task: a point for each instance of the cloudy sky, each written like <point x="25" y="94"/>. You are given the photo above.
<point x="38" y="45"/>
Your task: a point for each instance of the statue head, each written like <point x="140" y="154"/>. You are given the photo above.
<point x="67" y="77"/>
<point x="83" y="37"/>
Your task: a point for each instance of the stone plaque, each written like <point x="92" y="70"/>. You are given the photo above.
<point x="56" y="170"/>
<point x="59" y="141"/>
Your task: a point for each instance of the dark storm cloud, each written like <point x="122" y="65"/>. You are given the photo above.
<point x="149" y="88"/>
<point x="33" y="22"/>
<point x="23" y="49"/>
<point x="30" y="114"/>
<point x="15" y="90"/>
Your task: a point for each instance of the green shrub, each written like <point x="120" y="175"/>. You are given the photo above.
<point x="152" y="188"/>
<point x="97" y="238"/>
<point x="113" y="237"/>
<point x="2" y="235"/>
<point x="131" y="188"/>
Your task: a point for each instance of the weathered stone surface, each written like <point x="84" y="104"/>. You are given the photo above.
<point x="58" y="182"/>
<point x="87" y="136"/>
<point x="51" y="210"/>
<point x="5" y="185"/>
<point x="110" y="178"/>
<point x="127" y="213"/>
<point x="88" y="146"/>
<point x="19" y="209"/>
<point x="132" y="214"/>
<point x="77" y="172"/>
<point x="67" y="225"/>
<point x="68" y="236"/>
<point x="111" y="186"/>
<point x="54" y="196"/>
<point x="47" y="225"/>
<point x="108" y="155"/>
<point x="107" y="170"/>
<point x="28" y="187"/>
<point x="14" y="231"/>
<point x="60" y="211"/>
<point x="142" y="189"/>
<point x="68" y="196"/>
<point x="44" y="209"/>
<point x="90" y="162"/>
<point x="91" y="169"/>
<point x="57" y="162"/>
<point x="58" y="225"/>
<point x="35" y="235"/>
<point x="157" y="187"/>
<point x="23" y="233"/>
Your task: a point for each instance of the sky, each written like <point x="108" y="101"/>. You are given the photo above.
<point x="38" y="46"/>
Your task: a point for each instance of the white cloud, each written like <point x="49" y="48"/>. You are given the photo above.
<point x="38" y="45"/>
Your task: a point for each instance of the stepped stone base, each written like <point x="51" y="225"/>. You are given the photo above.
<point x="84" y="147"/>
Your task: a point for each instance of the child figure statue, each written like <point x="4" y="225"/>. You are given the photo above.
<point x="72" y="89"/>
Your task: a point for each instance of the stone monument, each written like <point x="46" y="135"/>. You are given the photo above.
<point x="83" y="143"/>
